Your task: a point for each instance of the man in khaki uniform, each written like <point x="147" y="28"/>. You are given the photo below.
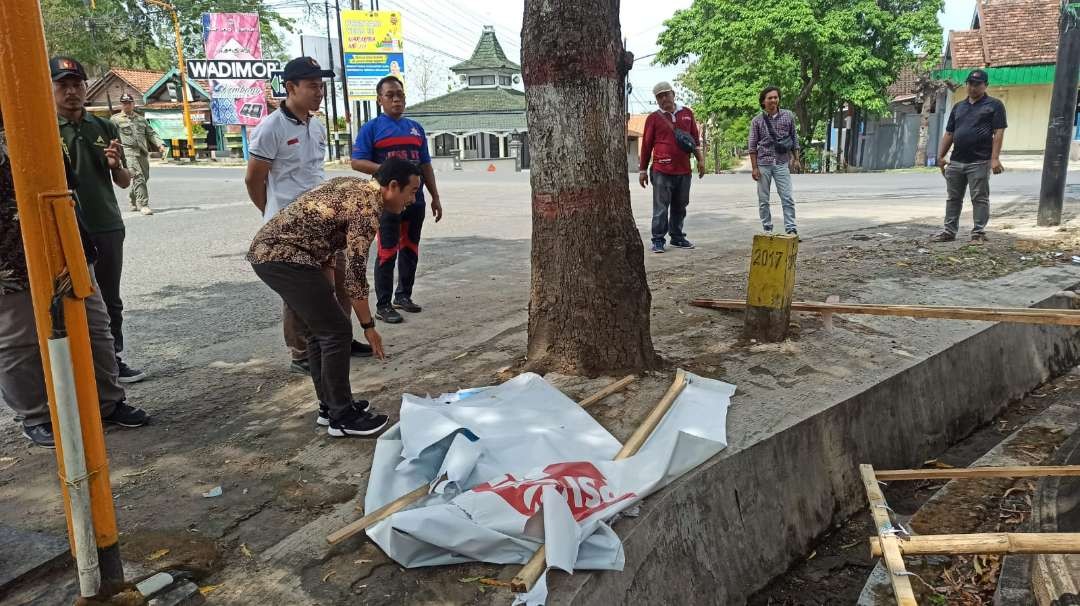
<point x="138" y="139"/>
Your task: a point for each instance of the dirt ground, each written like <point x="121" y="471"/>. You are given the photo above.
<point x="248" y="428"/>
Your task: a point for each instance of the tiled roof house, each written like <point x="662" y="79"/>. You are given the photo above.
<point x="1016" y="42"/>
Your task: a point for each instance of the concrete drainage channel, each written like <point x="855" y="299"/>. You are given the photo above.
<point x="724" y="531"/>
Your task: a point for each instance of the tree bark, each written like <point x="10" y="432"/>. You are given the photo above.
<point x="924" y="133"/>
<point x="589" y="301"/>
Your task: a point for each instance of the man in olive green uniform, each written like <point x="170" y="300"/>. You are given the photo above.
<point x="92" y="146"/>
<point x="138" y="139"/>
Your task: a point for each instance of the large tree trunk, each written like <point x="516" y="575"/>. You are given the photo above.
<point x="589" y="305"/>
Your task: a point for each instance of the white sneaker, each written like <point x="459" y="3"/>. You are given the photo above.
<point x="146" y="210"/>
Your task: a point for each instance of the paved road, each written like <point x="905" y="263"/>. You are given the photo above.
<point x="191" y="298"/>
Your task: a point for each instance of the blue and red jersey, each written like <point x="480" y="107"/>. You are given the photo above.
<point x="385" y="137"/>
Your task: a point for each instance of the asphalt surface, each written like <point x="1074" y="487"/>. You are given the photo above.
<point x="191" y="299"/>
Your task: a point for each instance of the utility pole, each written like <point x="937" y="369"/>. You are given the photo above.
<point x="333" y="88"/>
<point x="59" y="281"/>
<point x="1062" y="117"/>
<point x="344" y="78"/>
<point x="183" y="72"/>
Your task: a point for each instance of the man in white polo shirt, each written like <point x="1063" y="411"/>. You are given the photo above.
<point x="287" y="153"/>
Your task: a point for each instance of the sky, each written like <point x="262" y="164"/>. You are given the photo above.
<point x="450" y="29"/>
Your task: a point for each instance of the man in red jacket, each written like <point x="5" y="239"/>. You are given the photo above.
<point x="670" y="171"/>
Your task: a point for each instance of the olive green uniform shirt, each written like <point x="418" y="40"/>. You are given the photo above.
<point x="136" y="133"/>
<point x="84" y="143"/>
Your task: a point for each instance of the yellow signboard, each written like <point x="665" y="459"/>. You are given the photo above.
<point x="371" y="32"/>
<point x="372" y="42"/>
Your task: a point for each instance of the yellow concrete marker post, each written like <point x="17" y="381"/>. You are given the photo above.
<point x="770" y="286"/>
<point x="51" y="241"/>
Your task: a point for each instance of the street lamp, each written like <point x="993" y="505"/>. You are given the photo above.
<point x="183" y="72"/>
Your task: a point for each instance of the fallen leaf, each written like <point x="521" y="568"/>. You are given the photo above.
<point x="850" y="545"/>
<point x="362" y="562"/>
<point x="469" y="579"/>
<point x="209" y="589"/>
<point x="244" y="550"/>
<point x="328" y="575"/>
<point x="157" y="555"/>
<point x="461" y="355"/>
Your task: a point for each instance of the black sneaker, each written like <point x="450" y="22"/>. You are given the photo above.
<point x="978" y="236"/>
<point x="406" y="304"/>
<point x="684" y="243"/>
<point x="357" y="424"/>
<point x="300" y="367"/>
<point x="126" y="415"/>
<point x="128" y="374"/>
<point x="323" y="417"/>
<point x="41" y="435"/>
<point x="943" y="237"/>
<point x="389" y="315"/>
<point x="360" y="350"/>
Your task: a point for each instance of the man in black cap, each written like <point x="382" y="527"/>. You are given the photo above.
<point x="92" y="145"/>
<point x="138" y="139"/>
<point x="976" y="127"/>
<point x="287" y="153"/>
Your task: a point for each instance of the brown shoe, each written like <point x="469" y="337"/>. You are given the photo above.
<point x="943" y="237"/>
<point x="979" y="237"/>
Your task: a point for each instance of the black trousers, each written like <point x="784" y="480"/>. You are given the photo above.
<point x="310" y="295"/>
<point x="399" y="242"/>
<point x="109" y="266"/>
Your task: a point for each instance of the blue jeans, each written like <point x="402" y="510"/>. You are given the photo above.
<point x="782" y="176"/>
<point x="670" y="195"/>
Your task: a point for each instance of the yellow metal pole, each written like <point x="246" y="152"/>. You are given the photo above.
<point x="46" y="214"/>
<point x="183" y="73"/>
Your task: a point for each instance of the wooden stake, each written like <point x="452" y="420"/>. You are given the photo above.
<point x="535" y="567"/>
<point x="894" y="561"/>
<point x="420" y="492"/>
<point x="1060" y="317"/>
<point x="615" y="387"/>
<point x="769" y="287"/>
<point x="986" y="543"/>
<point x="978" y="472"/>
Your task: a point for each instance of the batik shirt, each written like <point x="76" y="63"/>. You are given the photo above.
<point x="342" y="213"/>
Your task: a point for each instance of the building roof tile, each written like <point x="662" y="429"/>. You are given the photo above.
<point x="1009" y="33"/>
<point x="488" y="54"/>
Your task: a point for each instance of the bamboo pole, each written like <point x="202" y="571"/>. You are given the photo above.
<point x="1023" y="315"/>
<point x="536" y="565"/>
<point x="978" y="472"/>
<point x="893" y="558"/>
<point x="615" y="387"/>
<point x="420" y="492"/>
<point x="986" y="543"/>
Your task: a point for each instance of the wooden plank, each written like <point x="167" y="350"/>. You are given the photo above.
<point x="1059" y="317"/>
<point x="408" y="499"/>
<point x="378" y="515"/>
<point x="770" y="287"/>
<point x="893" y="559"/>
<point x="536" y="565"/>
<point x="985" y="543"/>
<point x="615" y="387"/>
<point x="887" y="475"/>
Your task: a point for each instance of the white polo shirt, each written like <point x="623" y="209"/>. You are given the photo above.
<point x="295" y="151"/>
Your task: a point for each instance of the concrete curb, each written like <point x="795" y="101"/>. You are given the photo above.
<point x="725" y="530"/>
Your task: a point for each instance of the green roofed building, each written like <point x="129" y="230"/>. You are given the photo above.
<point x="484" y="118"/>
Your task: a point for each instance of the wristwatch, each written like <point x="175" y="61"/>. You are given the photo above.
<point x="370" y="324"/>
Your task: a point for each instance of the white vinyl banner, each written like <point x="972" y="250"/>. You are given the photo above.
<point x="521" y="465"/>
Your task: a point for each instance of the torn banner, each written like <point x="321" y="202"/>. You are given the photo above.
<point x="505" y="454"/>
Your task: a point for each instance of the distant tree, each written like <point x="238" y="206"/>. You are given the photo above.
<point x="424" y="72"/>
<point x="134" y="33"/>
<point x="926" y="92"/>
<point x="819" y="52"/>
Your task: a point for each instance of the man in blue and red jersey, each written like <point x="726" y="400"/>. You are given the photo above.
<point x="391" y="135"/>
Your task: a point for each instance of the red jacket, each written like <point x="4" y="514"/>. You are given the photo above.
<point x="658" y="142"/>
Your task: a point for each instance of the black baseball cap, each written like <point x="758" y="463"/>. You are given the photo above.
<point x="304" y="68"/>
<point x="978" y="75"/>
<point x="62" y="67"/>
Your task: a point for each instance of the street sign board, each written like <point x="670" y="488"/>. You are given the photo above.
<point x="231" y="69"/>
